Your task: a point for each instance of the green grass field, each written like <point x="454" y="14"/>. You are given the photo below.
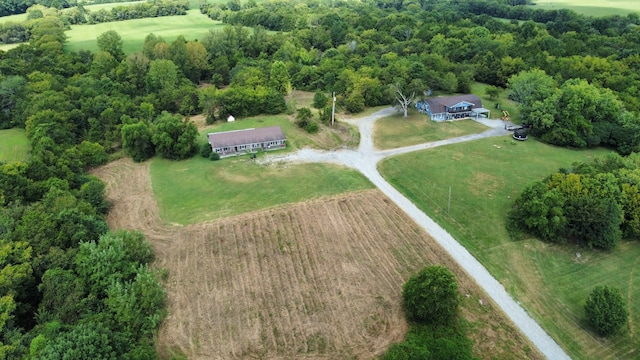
<point x="192" y="26"/>
<point x="17" y="18"/>
<point x="200" y="190"/>
<point x="592" y="7"/>
<point x="551" y="281"/>
<point x="7" y="47"/>
<point x="206" y="190"/>
<point x="396" y="131"/>
<point x="14" y="145"/>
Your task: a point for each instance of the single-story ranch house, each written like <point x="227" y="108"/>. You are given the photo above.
<point x="236" y="142"/>
<point x="452" y="107"/>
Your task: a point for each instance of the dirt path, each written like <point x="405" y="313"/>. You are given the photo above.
<point x="365" y="160"/>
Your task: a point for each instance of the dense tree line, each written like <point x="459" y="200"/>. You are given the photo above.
<point x="577" y="114"/>
<point x="358" y="49"/>
<point x="70" y="287"/>
<point x="591" y="204"/>
<point x="150" y="8"/>
<point x="11" y="7"/>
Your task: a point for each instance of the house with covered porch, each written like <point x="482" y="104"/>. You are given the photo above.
<point x="238" y="142"/>
<point x="442" y="108"/>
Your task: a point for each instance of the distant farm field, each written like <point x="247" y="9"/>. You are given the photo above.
<point x="592" y="7"/>
<point x="192" y="26"/>
<point x="317" y="279"/>
<point x="551" y="281"/>
<point x="14" y="145"/>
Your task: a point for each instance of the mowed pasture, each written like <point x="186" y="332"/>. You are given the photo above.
<point x="592" y="7"/>
<point x="397" y="131"/>
<point x="199" y="189"/>
<point x="14" y="145"/>
<point x="317" y="279"/>
<point x="192" y="26"/>
<point x="551" y="281"/>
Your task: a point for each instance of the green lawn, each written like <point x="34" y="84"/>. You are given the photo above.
<point x="192" y="26"/>
<point x="14" y="145"/>
<point x="17" y="18"/>
<point x="200" y="190"/>
<point x="7" y="47"/>
<point x="592" y="7"/>
<point x="396" y="131"/>
<point x="551" y="281"/>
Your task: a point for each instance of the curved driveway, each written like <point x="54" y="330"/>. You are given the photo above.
<point x="365" y="160"/>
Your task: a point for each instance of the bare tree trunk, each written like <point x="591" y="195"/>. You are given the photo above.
<point x="403" y="99"/>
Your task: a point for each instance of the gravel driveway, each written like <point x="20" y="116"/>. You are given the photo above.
<point x="365" y="160"/>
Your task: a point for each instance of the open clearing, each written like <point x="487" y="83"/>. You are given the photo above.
<point x="205" y="190"/>
<point x="397" y="131"/>
<point x="214" y="189"/>
<point x="327" y="138"/>
<point x="592" y="7"/>
<point x="316" y="280"/>
<point x="14" y="145"/>
<point x="550" y="281"/>
<point x="192" y="26"/>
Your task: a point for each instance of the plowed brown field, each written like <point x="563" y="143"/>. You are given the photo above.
<point x="316" y="280"/>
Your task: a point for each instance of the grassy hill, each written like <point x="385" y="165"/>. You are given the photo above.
<point x="592" y="7"/>
<point x="192" y="26"/>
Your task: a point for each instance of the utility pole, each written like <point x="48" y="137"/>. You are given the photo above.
<point x="333" y="109"/>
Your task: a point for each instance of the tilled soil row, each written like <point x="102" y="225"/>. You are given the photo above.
<point x="320" y="279"/>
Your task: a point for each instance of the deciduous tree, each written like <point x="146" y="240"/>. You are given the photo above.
<point x="405" y="92"/>
<point x="111" y="42"/>
<point x="431" y="296"/>
<point x="606" y="310"/>
<point x="279" y="78"/>
<point x="137" y="141"/>
<point x="175" y="138"/>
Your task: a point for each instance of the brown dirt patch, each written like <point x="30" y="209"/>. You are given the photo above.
<point x="483" y="183"/>
<point x="200" y="121"/>
<point x="315" y="280"/>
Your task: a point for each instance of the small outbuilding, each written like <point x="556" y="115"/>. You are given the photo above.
<point x="442" y="108"/>
<point x="238" y="142"/>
